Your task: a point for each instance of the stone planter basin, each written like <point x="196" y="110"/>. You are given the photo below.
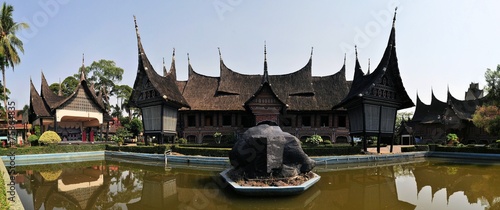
<point x="271" y="190"/>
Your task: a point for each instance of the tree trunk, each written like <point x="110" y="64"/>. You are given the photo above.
<point x="5" y="99"/>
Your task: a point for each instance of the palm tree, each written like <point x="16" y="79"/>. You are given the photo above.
<point x="9" y="43"/>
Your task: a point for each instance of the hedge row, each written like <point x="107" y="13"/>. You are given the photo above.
<point x="468" y="149"/>
<point x="159" y="149"/>
<point x="208" y="145"/>
<point x="52" y="149"/>
<point x="4" y="203"/>
<point x="203" y="151"/>
<point x="333" y="150"/>
<point x="415" y="148"/>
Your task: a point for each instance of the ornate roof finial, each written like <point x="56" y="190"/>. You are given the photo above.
<point x="220" y="54"/>
<point x="394" y="18"/>
<point x="83" y="59"/>
<point x="59" y="92"/>
<point x="345" y="55"/>
<point x="368" y="66"/>
<point x="312" y="49"/>
<point x="265" y="51"/>
<point x="189" y="61"/>
<point x="163" y="62"/>
<point x="265" y="77"/>
<point x="136" y="27"/>
<point x="356" y="51"/>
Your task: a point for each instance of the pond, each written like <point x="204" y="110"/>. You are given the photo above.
<point x="122" y="184"/>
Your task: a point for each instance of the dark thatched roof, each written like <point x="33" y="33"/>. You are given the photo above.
<point x="38" y="108"/>
<point x="48" y="96"/>
<point x="429" y="113"/>
<point x="47" y="102"/>
<point x="164" y="85"/>
<point x="464" y="109"/>
<point x="299" y="90"/>
<point x="363" y="85"/>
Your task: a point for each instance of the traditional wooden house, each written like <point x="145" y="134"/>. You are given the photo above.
<point x="77" y="117"/>
<point x="298" y="102"/>
<point x="431" y="123"/>
<point x="374" y="98"/>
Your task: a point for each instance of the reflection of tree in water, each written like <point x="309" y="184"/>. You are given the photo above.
<point x="477" y="182"/>
<point x="122" y="186"/>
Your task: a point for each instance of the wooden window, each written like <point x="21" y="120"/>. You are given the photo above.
<point x="306" y="121"/>
<point x="226" y="120"/>
<point x="324" y="121"/>
<point x="191" y="121"/>
<point x="342" y="121"/>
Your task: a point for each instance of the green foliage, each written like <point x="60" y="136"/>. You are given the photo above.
<point x="136" y="126"/>
<point x="37" y="130"/>
<point x="327" y="142"/>
<point x="33" y="138"/>
<point x="492" y="78"/>
<point x="159" y="149"/>
<point x="314" y="139"/>
<point x="49" y="137"/>
<point x="333" y="149"/>
<point x="203" y="151"/>
<point x="415" y="148"/>
<point x="58" y="149"/>
<point x="182" y="141"/>
<point x="103" y="74"/>
<point x="217" y="137"/>
<point x="121" y="134"/>
<point x="468" y="149"/>
<point x="67" y="86"/>
<point x="4" y="203"/>
<point x="452" y="137"/>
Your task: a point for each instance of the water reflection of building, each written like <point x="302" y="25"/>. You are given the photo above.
<point x="159" y="191"/>
<point x="476" y="182"/>
<point x="72" y="188"/>
<point x="372" y="188"/>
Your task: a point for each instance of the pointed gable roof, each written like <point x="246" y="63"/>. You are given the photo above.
<point x="48" y="96"/>
<point x="37" y="105"/>
<point x="464" y="109"/>
<point x="429" y="113"/>
<point x="388" y="67"/>
<point x="165" y="86"/>
<point x="265" y="86"/>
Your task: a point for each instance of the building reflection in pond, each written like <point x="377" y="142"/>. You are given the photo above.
<point x="111" y="185"/>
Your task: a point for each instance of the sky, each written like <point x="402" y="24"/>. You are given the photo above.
<point x="440" y="44"/>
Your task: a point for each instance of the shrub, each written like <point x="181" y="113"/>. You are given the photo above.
<point x="182" y="141"/>
<point x="4" y="203"/>
<point x="159" y="149"/>
<point x="203" y="151"/>
<point x="327" y="142"/>
<point x="49" y="137"/>
<point x="314" y="139"/>
<point x="217" y="137"/>
<point x="33" y="138"/>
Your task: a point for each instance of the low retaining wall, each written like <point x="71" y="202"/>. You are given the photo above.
<point x="38" y="159"/>
<point x="188" y="159"/>
<point x="462" y="155"/>
<point x="10" y="194"/>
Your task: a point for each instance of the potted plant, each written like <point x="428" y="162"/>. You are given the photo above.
<point x="452" y="139"/>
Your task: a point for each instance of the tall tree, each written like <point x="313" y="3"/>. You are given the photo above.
<point x="10" y="44"/>
<point x="68" y="86"/>
<point x="104" y="74"/>
<point x="493" y="85"/>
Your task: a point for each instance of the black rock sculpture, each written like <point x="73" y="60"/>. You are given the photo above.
<point x="267" y="151"/>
